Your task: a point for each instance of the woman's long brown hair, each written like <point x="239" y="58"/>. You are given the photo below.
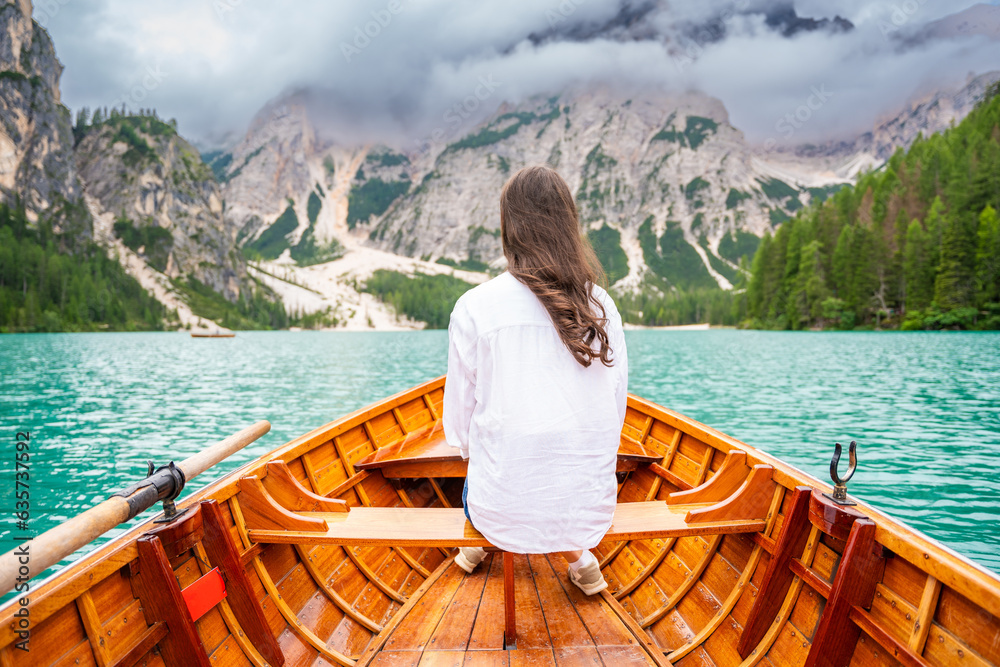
<point x="546" y="251"/>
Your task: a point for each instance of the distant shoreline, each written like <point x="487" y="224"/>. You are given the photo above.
<point x="673" y="327"/>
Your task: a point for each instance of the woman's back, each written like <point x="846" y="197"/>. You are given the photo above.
<point x="541" y="431"/>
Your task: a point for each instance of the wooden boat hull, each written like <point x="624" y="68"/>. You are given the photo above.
<point x="801" y="590"/>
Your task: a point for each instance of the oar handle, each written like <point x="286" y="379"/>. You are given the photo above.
<point x="40" y="553"/>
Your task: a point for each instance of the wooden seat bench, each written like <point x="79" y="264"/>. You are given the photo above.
<point x="424" y="452"/>
<point x="448" y="527"/>
<point x="278" y="509"/>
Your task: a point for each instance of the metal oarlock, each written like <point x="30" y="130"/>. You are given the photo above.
<point x="839" y="494"/>
<point x="164" y="483"/>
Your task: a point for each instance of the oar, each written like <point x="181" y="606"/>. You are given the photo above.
<point x="40" y="553"/>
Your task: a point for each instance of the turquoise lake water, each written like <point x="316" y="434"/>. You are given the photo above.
<point x="924" y="407"/>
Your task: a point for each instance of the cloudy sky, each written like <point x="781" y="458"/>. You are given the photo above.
<point x="389" y="69"/>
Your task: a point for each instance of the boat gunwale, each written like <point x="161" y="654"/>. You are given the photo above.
<point x="923" y="552"/>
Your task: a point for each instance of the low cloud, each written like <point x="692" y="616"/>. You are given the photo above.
<point x="390" y="70"/>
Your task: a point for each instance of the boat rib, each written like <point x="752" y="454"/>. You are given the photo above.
<point x="752" y="588"/>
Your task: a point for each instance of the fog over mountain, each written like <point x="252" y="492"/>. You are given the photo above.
<point x="392" y="71"/>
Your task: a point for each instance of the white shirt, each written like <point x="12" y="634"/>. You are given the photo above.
<point x="540" y="431"/>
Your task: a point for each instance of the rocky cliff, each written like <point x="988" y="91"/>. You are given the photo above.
<point x="670" y="193"/>
<point x="286" y="189"/>
<point x="162" y="198"/>
<point x="36" y="136"/>
<point x="128" y="182"/>
<point x="664" y="184"/>
<point x="926" y="113"/>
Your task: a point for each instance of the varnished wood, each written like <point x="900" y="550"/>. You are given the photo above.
<point x="399" y="420"/>
<point x="334" y="596"/>
<point x="404" y="555"/>
<point x="925" y="614"/>
<point x="65" y="587"/>
<point x="944" y="605"/>
<point x="860" y="570"/>
<point x="424" y="445"/>
<point x="758" y="653"/>
<point x="664" y="463"/>
<point x="262" y="512"/>
<point x="682" y="590"/>
<point x="810" y="578"/>
<point x="222" y="553"/>
<point x="342" y="451"/>
<point x="403" y="552"/>
<point x="720" y="615"/>
<point x="558" y="621"/>
<point x="232" y="624"/>
<point x="312" y="474"/>
<point x="620" y="546"/>
<point x="668" y="475"/>
<point x="509" y="604"/>
<point x="180" y="534"/>
<point x="62" y="540"/>
<point x="247" y="556"/>
<point x="371" y="576"/>
<point x="778" y="576"/>
<point x="646" y="571"/>
<point x="422" y="469"/>
<point x="288" y="492"/>
<point x="307" y="635"/>
<point x="898" y="649"/>
<point x="652" y="650"/>
<point x="739" y="588"/>
<point x="833" y="519"/>
<point x="132" y="653"/>
<point x="722" y="485"/>
<point x="264" y="577"/>
<point x="633" y="450"/>
<point x="447" y="527"/>
<point x="92" y="626"/>
<point x="439" y="492"/>
<point x="768" y="544"/>
<point x="160" y="594"/>
<point x="749" y="502"/>
<point x="379" y="640"/>
<point x="430" y="407"/>
<point x="349" y="483"/>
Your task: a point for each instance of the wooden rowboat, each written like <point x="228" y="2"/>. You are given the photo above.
<point x="338" y="547"/>
<point x="212" y="334"/>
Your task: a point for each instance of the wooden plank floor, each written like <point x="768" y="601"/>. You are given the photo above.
<point x="459" y="621"/>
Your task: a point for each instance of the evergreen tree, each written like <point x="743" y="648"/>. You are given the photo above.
<point x="917" y="270"/>
<point x="988" y="257"/>
<point x="934" y="224"/>
<point x="44" y="289"/>
<point x="954" y="286"/>
<point x="868" y="267"/>
<point x="919" y="236"/>
<point x="843" y="264"/>
<point x="810" y="290"/>
<point x="82" y="120"/>
<point x="756" y="298"/>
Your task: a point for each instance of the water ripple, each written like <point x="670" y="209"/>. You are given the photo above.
<point x="925" y="407"/>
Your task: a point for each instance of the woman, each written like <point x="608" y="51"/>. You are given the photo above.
<point x="535" y="392"/>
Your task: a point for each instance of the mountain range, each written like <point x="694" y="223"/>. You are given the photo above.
<point x="671" y="194"/>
